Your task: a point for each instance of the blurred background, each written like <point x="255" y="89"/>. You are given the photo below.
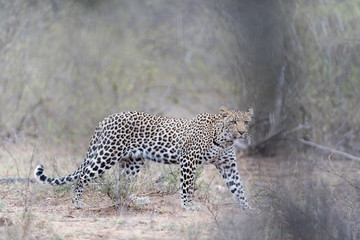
<point x="65" y="65"/>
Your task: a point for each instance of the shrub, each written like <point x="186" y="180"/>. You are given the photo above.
<point x="299" y="209"/>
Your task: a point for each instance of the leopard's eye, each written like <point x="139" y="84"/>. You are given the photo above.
<point x="233" y="122"/>
<point x="246" y="122"/>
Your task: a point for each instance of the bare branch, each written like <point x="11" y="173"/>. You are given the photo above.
<point x="298" y="128"/>
<point x="327" y="149"/>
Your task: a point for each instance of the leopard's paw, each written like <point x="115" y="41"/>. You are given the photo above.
<point x="78" y="205"/>
<point x="139" y="200"/>
<point x="191" y="206"/>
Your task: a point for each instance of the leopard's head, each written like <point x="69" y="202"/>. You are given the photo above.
<point x="235" y="123"/>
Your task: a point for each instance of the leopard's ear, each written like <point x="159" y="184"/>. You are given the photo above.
<point x="251" y="112"/>
<point x="224" y="111"/>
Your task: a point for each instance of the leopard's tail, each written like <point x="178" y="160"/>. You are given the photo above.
<point x="42" y="178"/>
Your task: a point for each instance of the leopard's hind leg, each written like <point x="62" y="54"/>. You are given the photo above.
<point x="98" y="164"/>
<point x="128" y="171"/>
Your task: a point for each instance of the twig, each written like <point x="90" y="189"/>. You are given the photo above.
<point x="321" y="147"/>
<point x="339" y="175"/>
<point x="345" y="179"/>
<point x="97" y="209"/>
<point x="32" y="109"/>
<point x="207" y="188"/>
<point x="214" y="217"/>
<point x="31" y="163"/>
<point x="16" y="163"/>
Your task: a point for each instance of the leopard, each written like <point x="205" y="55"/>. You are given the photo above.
<point x="130" y="138"/>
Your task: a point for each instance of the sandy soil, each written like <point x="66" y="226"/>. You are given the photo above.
<point x="35" y="211"/>
<point x="51" y="217"/>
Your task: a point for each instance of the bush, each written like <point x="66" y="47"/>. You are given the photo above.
<point x="299" y="207"/>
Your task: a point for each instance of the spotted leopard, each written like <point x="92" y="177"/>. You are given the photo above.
<point x="132" y="137"/>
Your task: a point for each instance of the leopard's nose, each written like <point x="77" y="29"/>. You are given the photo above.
<point x="241" y="132"/>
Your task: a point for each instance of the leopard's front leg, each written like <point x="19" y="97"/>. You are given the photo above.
<point x="228" y="170"/>
<point x="187" y="179"/>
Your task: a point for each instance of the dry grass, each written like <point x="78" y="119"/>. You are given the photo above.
<point x="35" y="211"/>
<point x="300" y="200"/>
<point x="308" y="198"/>
<point x="67" y="64"/>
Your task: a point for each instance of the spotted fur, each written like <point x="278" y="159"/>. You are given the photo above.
<point x="132" y="137"/>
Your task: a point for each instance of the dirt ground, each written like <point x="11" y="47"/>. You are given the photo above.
<point x="52" y="217"/>
<point x="36" y="211"/>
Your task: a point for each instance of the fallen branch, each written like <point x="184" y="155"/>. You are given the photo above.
<point x="321" y="147"/>
<point x="19" y="180"/>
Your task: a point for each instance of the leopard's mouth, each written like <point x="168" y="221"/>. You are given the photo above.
<point x="239" y="136"/>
